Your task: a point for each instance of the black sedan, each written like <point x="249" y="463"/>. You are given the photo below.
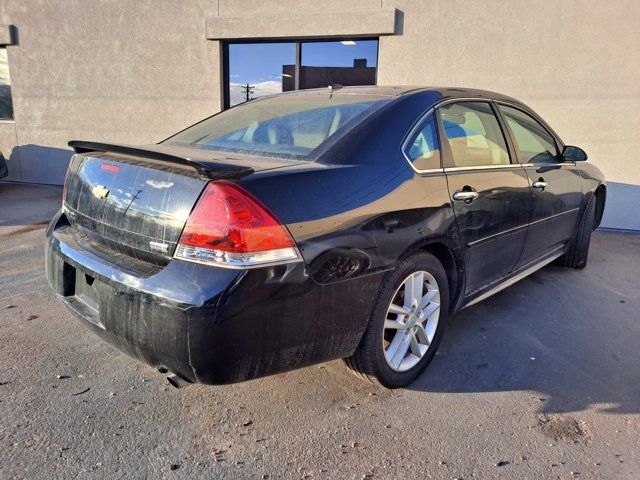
<point x="4" y="170"/>
<point x="313" y="225"/>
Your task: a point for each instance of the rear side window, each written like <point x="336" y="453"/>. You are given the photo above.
<point x="474" y="135"/>
<point x="535" y="144"/>
<point x="423" y="150"/>
<point x="289" y="125"/>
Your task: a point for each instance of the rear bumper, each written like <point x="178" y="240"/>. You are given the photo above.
<point x="207" y="324"/>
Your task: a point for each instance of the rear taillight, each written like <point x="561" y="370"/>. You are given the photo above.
<point x="230" y="228"/>
<point x="107" y="167"/>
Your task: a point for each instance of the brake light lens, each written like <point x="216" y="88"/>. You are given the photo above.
<point x="109" y="168"/>
<point x="230" y="228"/>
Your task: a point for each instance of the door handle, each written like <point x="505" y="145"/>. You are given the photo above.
<point x="467" y="196"/>
<point x="540" y="183"/>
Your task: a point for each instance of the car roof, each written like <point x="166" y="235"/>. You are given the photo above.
<point x="403" y="90"/>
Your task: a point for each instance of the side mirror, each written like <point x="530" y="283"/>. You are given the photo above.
<point x="573" y="154"/>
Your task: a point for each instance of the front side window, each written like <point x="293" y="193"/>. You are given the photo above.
<point x="423" y="150"/>
<point x="6" y="102"/>
<point x="535" y="144"/>
<point x="474" y="135"/>
<point x="286" y="126"/>
<point x="257" y="69"/>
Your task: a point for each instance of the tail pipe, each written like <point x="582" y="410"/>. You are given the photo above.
<point x="177" y="381"/>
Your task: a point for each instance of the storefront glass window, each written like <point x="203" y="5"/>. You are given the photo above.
<point x="256" y="69"/>
<point x="6" y="104"/>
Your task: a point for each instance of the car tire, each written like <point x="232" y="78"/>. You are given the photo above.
<point x="370" y="360"/>
<point x="576" y="255"/>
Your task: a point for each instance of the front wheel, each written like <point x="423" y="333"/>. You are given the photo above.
<point x="406" y="323"/>
<point x="578" y="252"/>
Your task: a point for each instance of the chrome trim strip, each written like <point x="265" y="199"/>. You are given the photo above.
<point x="489" y="237"/>
<point x="526" y="225"/>
<point x="554" y="216"/>
<point x="506" y="165"/>
<point x="482" y="167"/>
<point x="540" y="165"/>
<point x="428" y="171"/>
<point x="514" y="279"/>
<point x="159" y="247"/>
<point x="462" y="99"/>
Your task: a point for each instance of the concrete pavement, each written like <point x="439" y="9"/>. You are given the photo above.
<point x="540" y="381"/>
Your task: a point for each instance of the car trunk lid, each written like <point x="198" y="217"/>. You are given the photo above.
<point x="136" y="200"/>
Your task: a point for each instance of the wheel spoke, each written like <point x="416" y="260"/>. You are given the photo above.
<point x="408" y="293"/>
<point x="393" y="308"/>
<point x="394" y="325"/>
<point x="393" y="346"/>
<point x="431" y="294"/>
<point x="401" y="351"/>
<point x="413" y="289"/>
<point x="421" y="335"/>
<point x="418" y="287"/>
<point x="430" y="310"/>
<point x="415" y="347"/>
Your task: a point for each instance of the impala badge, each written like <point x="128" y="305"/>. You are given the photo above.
<point x="100" y="191"/>
<point x="159" y="247"/>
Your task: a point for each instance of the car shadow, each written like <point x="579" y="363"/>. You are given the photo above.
<point x="28" y="205"/>
<point x="38" y="164"/>
<point x="569" y="335"/>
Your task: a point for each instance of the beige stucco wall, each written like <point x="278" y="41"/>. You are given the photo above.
<point x="131" y="72"/>
<point x="136" y="71"/>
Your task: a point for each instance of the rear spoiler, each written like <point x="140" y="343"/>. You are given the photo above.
<point x="213" y="170"/>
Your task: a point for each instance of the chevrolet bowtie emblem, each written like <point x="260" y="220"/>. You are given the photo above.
<point x="100" y="191"/>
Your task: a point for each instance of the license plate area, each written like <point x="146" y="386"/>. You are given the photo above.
<point x="82" y="294"/>
<point x="87" y="289"/>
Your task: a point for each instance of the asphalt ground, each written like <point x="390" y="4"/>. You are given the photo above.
<point x="540" y="381"/>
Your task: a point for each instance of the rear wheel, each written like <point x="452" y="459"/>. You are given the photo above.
<point x="576" y="255"/>
<point x="406" y="323"/>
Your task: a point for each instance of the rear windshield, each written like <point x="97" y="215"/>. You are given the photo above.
<point x="292" y="125"/>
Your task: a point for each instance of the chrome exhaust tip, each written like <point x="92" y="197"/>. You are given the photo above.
<point x="177" y="381"/>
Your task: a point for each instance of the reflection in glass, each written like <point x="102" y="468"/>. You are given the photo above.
<point x="257" y="69"/>
<point x="535" y="143"/>
<point x="6" y="104"/>
<point x="290" y="126"/>
<point x="423" y="150"/>
<point x="349" y="62"/>
<point x="474" y="135"/>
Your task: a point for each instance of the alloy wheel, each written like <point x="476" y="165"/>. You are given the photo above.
<point x="411" y="321"/>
